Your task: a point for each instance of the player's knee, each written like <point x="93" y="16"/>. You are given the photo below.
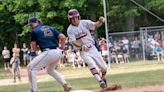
<point x="104" y="68"/>
<point x="28" y="67"/>
<point x="103" y="71"/>
<point x="91" y="65"/>
<point x="94" y="71"/>
<point x="49" y="71"/>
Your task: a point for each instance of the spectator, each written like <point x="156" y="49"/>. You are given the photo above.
<point x="16" y="51"/>
<point x="158" y="51"/>
<point x="103" y="47"/>
<point x="6" y="58"/>
<point x="78" y="60"/>
<point x="157" y="36"/>
<point x="32" y="54"/>
<point x="125" y="55"/>
<point x="126" y="43"/>
<point x="25" y="55"/>
<point x="15" y="62"/>
<point x="135" y="45"/>
<point x="162" y="47"/>
<point x="114" y="55"/>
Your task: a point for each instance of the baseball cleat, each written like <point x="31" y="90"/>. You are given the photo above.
<point x="104" y="79"/>
<point x="113" y="87"/>
<point x="103" y="84"/>
<point x="67" y="88"/>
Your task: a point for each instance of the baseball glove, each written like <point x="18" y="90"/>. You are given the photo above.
<point x="113" y="87"/>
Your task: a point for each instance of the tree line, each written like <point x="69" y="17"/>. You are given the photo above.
<point x="122" y="15"/>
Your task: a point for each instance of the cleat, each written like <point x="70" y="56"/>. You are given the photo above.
<point x="105" y="80"/>
<point x="67" y="88"/>
<point x="103" y="85"/>
<point x="113" y="87"/>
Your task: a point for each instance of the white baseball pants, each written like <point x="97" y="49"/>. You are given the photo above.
<point x="49" y="60"/>
<point x="93" y="58"/>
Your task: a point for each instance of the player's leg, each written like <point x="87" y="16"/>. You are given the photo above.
<point x="56" y="75"/>
<point x="53" y="61"/>
<point x="92" y="66"/>
<point x="36" y="64"/>
<point x="101" y="64"/>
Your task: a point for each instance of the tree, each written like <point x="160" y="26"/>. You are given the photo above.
<point x="126" y="16"/>
<point x="8" y="27"/>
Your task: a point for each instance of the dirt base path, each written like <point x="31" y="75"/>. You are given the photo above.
<point x="24" y="78"/>
<point x="156" y="88"/>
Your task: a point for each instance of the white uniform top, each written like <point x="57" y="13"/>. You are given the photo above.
<point x="81" y="34"/>
<point x="6" y="53"/>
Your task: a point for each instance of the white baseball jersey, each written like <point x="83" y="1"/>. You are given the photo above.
<point x="81" y="34"/>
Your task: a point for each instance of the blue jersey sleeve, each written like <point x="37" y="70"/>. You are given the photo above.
<point x="33" y="36"/>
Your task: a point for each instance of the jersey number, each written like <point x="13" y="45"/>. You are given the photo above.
<point x="47" y="32"/>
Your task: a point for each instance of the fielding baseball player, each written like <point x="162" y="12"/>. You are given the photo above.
<point x="80" y="36"/>
<point x="46" y="38"/>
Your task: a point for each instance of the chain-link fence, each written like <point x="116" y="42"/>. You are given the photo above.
<point x="146" y="44"/>
<point x="125" y="47"/>
<point x="153" y="43"/>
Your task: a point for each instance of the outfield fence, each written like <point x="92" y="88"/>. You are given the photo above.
<point x="140" y="45"/>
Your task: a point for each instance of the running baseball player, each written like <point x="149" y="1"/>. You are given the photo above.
<point x="46" y="38"/>
<point x="80" y="36"/>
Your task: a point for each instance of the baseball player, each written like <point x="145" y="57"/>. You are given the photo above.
<point x="46" y="38"/>
<point x="80" y="36"/>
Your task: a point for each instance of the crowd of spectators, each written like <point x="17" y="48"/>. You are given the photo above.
<point x="122" y="49"/>
<point x="154" y="46"/>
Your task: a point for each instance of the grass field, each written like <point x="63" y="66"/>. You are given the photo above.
<point x="134" y="74"/>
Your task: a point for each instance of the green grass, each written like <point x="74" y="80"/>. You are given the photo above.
<point x="135" y="74"/>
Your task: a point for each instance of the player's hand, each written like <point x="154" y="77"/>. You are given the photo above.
<point x="61" y="48"/>
<point x="86" y="47"/>
<point x="101" y="19"/>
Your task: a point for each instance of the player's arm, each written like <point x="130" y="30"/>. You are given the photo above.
<point x="34" y="46"/>
<point x="73" y="39"/>
<point x="99" y="22"/>
<point x="33" y="41"/>
<point x="76" y="44"/>
<point x="62" y="40"/>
